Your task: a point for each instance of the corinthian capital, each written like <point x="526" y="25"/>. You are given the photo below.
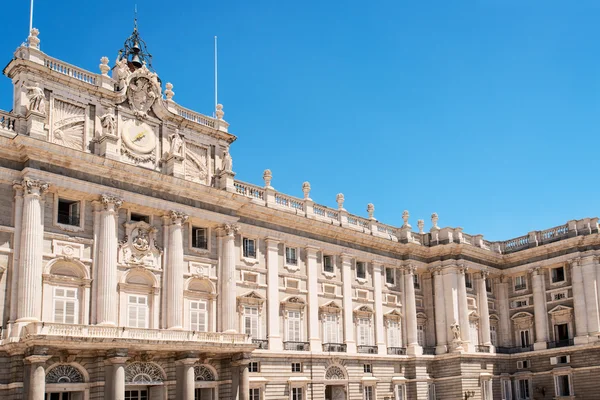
<point x="410" y="269"/>
<point x="178" y="217"/>
<point x="110" y="202"/>
<point x="34" y="186"/>
<point x="230" y="229"/>
<point x="484" y="274"/>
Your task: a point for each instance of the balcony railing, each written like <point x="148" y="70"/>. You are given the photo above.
<point x="514" y="350"/>
<point x="482" y="348"/>
<point x="429" y="351"/>
<point x="263" y="344"/>
<point x="367" y="349"/>
<point x="560" y="343"/>
<point x="396" y="351"/>
<point x="296" y="346"/>
<point x="520" y="287"/>
<point x="334" y="347"/>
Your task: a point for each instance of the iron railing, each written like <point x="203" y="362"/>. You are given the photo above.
<point x="296" y="346"/>
<point x="367" y="349"/>
<point x="396" y="351"/>
<point x="263" y="344"/>
<point x="334" y="347"/>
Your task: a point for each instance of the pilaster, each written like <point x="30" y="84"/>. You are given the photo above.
<point x="347" y="303"/>
<point x="175" y="270"/>
<point x="313" y="300"/>
<point x="504" y="334"/>
<point x="378" y="298"/>
<point x="463" y="309"/>
<point x="590" y="286"/>
<point x="413" y="347"/>
<point x="228" y="298"/>
<point x="275" y="341"/>
<point x="580" y="310"/>
<point x="440" y="312"/>
<point x="484" y="311"/>
<point x="539" y="303"/>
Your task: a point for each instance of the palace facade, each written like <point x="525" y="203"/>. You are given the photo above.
<point x="133" y="266"/>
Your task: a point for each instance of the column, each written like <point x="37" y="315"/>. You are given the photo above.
<point x="29" y="305"/>
<point x="590" y="286"/>
<point x="440" y="312"/>
<point x="14" y="272"/>
<point x="581" y="327"/>
<point x="378" y="298"/>
<point x="186" y="380"/>
<point x="484" y="311"/>
<point x="228" y="312"/>
<point x="275" y="342"/>
<point x="451" y="306"/>
<point x="463" y="309"/>
<point x="244" y="381"/>
<point x="114" y="388"/>
<point x="504" y="336"/>
<point x="37" y="377"/>
<point x="413" y="347"/>
<point x="539" y="307"/>
<point x="313" y="300"/>
<point x="347" y="303"/>
<point x="175" y="270"/>
<point x="107" y="300"/>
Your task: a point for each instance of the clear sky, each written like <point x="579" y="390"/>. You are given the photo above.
<point x="486" y="112"/>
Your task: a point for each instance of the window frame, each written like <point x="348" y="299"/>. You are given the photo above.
<point x="191" y="238"/>
<point x="486" y="389"/>
<point x="323" y="265"/>
<point x="393" y="276"/>
<point x="368" y="368"/>
<point x="522" y="287"/>
<point x="247" y="257"/>
<point x="296" y="395"/>
<point x="564" y="276"/>
<point x="469" y="280"/>
<point x="569" y="383"/>
<point x="288" y="325"/>
<point x="333" y="320"/>
<point x="65" y="299"/>
<point x="296" y="367"/>
<point x="147" y="309"/>
<point x="289" y="261"/>
<point x="80" y="227"/>
<point x="254" y="396"/>
<point x="369" y="392"/>
<point x="400" y="391"/>
<point x="528" y="386"/>
<point x="256" y="316"/>
<point x="504" y="393"/>
<point x="364" y="270"/>
<point x="417" y="281"/>
<point x="393" y="339"/>
<point x="206" y="313"/>
<point x="365" y="324"/>
<point x="252" y="364"/>
<point x="431" y="391"/>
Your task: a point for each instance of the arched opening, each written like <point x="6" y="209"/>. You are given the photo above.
<point x="143" y="381"/>
<point x="65" y="382"/>
<point x="336" y="383"/>
<point x="206" y="382"/>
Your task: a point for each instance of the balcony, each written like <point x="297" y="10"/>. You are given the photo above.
<point x="429" y="351"/>
<point x="514" y="350"/>
<point x="263" y="344"/>
<point x="482" y="348"/>
<point x="334" y="347"/>
<point x="560" y="343"/>
<point x="367" y="349"/>
<point x="296" y="346"/>
<point x="396" y="351"/>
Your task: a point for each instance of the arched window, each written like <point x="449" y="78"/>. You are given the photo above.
<point x="199" y="298"/>
<point x="65" y="288"/>
<point x="335" y="372"/>
<point x="143" y="373"/>
<point x="203" y="373"/>
<point x="138" y="296"/>
<point x="64" y="373"/>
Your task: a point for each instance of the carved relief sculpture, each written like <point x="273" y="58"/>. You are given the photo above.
<point x="142" y="91"/>
<point x="109" y="124"/>
<point x="37" y="99"/>
<point x="176" y="144"/>
<point x="68" y="124"/>
<point x="196" y="163"/>
<point x="122" y="72"/>
<point x="227" y="162"/>
<point x="456" y="331"/>
<point x="139" y="247"/>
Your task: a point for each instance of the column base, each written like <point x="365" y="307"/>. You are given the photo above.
<point x="581" y="340"/>
<point x="441" y="349"/>
<point x="414" y="350"/>
<point x="540" y="346"/>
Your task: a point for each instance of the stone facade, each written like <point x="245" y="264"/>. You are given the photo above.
<point x="134" y="266"/>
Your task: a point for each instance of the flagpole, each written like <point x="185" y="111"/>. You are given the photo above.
<point x="216" y="87"/>
<point x="30" y="17"/>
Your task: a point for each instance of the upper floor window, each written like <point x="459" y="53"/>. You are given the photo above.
<point x="361" y="271"/>
<point x="421" y="335"/>
<point x="493" y="335"/>
<point x="254" y="366"/>
<point x="400" y="392"/>
<point x="291" y="255"/>
<point x="296" y="367"/>
<point x="65" y="305"/>
<point x="297" y="393"/>
<point x="469" y="281"/>
<point x="390" y="276"/>
<point x="199" y="238"/>
<point x="137" y="311"/>
<point x="558" y="274"/>
<point x="520" y="282"/>
<point x="431" y="391"/>
<point x="198" y="316"/>
<point x="369" y="393"/>
<point x="249" y="248"/>
<point x="330" y="328"/>
<point x="68" y="212"/>
<point x="486" y="389"/>
<point x="364" y="332"/>
<point x="139" y="217"/>
<point x="417" y="281"/>
<point x="254" y="394"/>
<point x="367" y="368"/>
<point x="328" y="264"/>
<point x="488" y="285"/>
<point x="524" y="338"/>
<point x="393" y="333"/>
<point x="251" y="322"/>
<point x="294" y="322"/>
<point x="523" y="389"/>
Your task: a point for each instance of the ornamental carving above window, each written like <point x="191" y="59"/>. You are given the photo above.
<point x="334" y="372"/>
<point x="203" y="373"/>
<point x="64" y="374"/>
<point x="143" y="373"/>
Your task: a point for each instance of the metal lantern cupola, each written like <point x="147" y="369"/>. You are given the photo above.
<point x="135" y="51"/>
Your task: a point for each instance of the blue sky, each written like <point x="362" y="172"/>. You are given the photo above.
<point x="486" y="112"/>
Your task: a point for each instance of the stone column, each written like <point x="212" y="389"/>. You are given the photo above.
<point x="441" y="327"/>
<point x="463" y="309"/>
<point x="504" y="336"/>
<point x="14" y="272"/>
<point x="451" y="306"/>
<point x="378" y="298"/>
<point x="413" y="346"/>
<point x="347" y="303"/>
<point x="581" y="327"/>
<point x="186" y="380"/>
<point x="313" y="300"/>
<point x="107" y="300"/>
<point x="29" y="306"/>
<point x="175" y="270"/>
<point x="37" y="377"/>
<point x="484" y="311"/>
<point x="539" y="307"/>
<point x="115" y="375"/>
<point x="228" y="312"/>
<point x="275" y="342"/>
<point x="244" y="381"/>
<point x="590" y="286"/>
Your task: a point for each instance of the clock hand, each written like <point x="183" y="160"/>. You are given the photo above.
<point x="139" y="136"/>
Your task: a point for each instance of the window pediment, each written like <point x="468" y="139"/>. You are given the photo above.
<point x="561" y="310"/>
<point x="331" y="308"/>
<point x="294" y="302"/>
<point x="393" y="315"/>
<point x="251" y="299"/>
<point x="363" y="311"/>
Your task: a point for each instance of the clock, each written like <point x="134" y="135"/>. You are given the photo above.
<point x="138" y="137"/>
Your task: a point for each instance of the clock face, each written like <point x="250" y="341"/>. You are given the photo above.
<point x="139" y="137"/>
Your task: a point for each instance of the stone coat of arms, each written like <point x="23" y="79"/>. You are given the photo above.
<point x="142" y="91"/>
<point x="139" y="247"/>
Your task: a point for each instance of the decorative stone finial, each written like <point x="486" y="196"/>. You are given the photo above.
<point x="371" y="210"/>
<point x="104" y="68"/>
<point x="405" y="216"/>
<point x="421" y="225"/>
<point x="267" y="176"/>
<point x="306" y="190"/>
<point x="434" y="221"/>
<point x="340" y="201"/>
<point x="219" y="113"/>
<point x="169" y="93"/>
<point x="32" y="40"/>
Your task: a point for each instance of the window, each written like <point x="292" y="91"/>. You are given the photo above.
<point x="523" y="389"/>
<point x="524" y="336"/>
<point x="254" y="366"/>
<point x="520" y="283"/>
<point x="494" y="335"/>
<point x="136" y="395"/>
<point x="293" y="326"/>
<point x="400" y="392"/>
<point x="367" y="368"/>
<point x="198" y="316"/>
<point x="65" y="305"/>
<point x="328" y="264"/>
<point x="297" y="393"/>
<point x="68" y="212"/>
<point x="330" y="328"/>
<point x="486" y="390"/>
<point x="488" y="285"/>
<point x="251" y="322"/>
<point x="369" y="393"/>
<point x="559" y="296"/>
<point x="393" y="333"/>
<point x="562" y="384"/>
<point x="296" y="367"/>
<point x="200" y="238"/>
<point x="558" y="274"/>
<point x="525" y="364"/>
<point x="506" y="389"/>
<point x="520" y="303"/>
<point x="364" y="332"/>
<point x="249" y="248"/>
<point x="421" y="335"/>
<point x="560" y="360"/>
<point x="291" y="256"/>
<point x="139" y="217"/>
<point x="254" y="394"/>
<point x="417" y="281"/>
<point x="474" y="332"/>
<point x="431" y="391"/>
<point x="250" y="277"/>
<point x="391" y="299"/>
<point x="361" y="272"/>
<point x="137" y="311"/>
<point x="469" y="281"/>
<point x="390" y="276"/>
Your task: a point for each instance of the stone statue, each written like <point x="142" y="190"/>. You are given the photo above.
<point x="176" y="144"/>
<point x="122" y="71"/>
<point x="227" y="162"/>
<point x="37" y="99"/>
<point x="455" y="331"/>
<point x="109" y="124"/>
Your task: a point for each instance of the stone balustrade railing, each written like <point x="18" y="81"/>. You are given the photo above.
<point x="70" y="70"/>
<point x="194" y="116"/>
<point x="9" y="122"/>
<point x="92" y="331"/>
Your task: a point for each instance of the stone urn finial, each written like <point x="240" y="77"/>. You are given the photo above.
<point x="371" y="210"/>
<point x="104" y="67"/>
<point x="306" y="190"/>
<point x="169" y="93"/>
<point x="340" y="201"/>
<point x="267" y="176"/>
<point x="219" y="112"/>
<point x="405" y="216"/>
<point x="421" y="225"/>
<point x="434" y="221"/>
<point x="33" y="40"/>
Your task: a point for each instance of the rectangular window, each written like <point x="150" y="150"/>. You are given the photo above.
<point x="254" y="394"/>
<point x="251" y="322"/>
<point x="200" y="238"/>
<point x="417" y="281"/>
<point x="330" y="329"/>
<point x="506" y="389"/>
<point x="559" y="296"/>
<point x="367" y="368"/>
<point x="562" y="385"/>
<point x="524" y="335"/>
<point x="293" y="326"/>
<point x="65" y="305"/>
<point x="198" y="316"/>
<point x="400" y="392"/>
<point x="469" y="281"/>
<point x="520" y="303"/>
<point x="393" y="333"/>
<point x="254" y="366"/>
<point x="369" y="393"/>
<point x="134" y="217"/>
<point x="137" y="311"/>
<point x="297" y="393"/>
<point x="488" y="285"/>
<point x="361" y="271"/>
<point x="364" y="332"/>
<point x="558" y="274"/>
<point x="328" y="264"/>
<point x="390" y="276"/>
<point x="486" y="390"/>
<point x="68" y="212"/>
<point x="421" y="335"/>
<point x="431" y="391"/>
<point x="523" y="389"/>
<point x="249" y="248"/>
<point x="494" y="336"/>
<point x="520" y="282"/>
<point x="291" y="256"/>
<point x="296" y="367"/>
